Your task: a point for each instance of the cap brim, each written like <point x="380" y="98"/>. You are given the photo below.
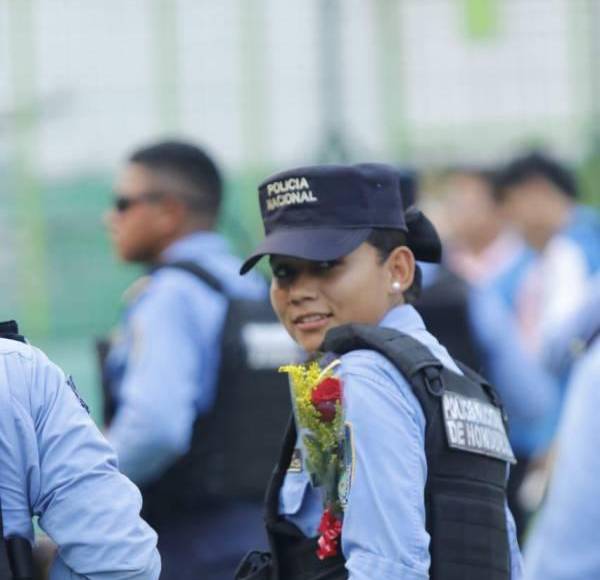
<point x="308" y="244"/>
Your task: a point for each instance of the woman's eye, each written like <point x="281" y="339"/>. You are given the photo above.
<point x="326" y="265"/>
<point x="282" y="272"/>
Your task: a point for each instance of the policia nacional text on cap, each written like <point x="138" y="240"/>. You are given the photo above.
<point x="325" y="212"/>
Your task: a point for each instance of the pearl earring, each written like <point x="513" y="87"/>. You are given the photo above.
<point x="396" y="287"/>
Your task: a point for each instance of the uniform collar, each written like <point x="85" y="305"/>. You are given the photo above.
<point x="194" y="245"/>
<point x="405" y="318"/>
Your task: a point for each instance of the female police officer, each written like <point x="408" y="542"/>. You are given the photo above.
<point x="396" y="460"/>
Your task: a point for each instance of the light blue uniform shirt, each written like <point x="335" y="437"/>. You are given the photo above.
<point x="529" y="393"/>
<point x="54" y="463"/>
<point x="562" y="352"/>
<point x="584" y="230"/>
<point x="166" y="362"/>
<point x="565" y="542"/>
<point x="384" y="533"/>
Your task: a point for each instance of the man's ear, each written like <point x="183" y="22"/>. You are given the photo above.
<point x="401" y="267"/>
<point x="172" y="216"/>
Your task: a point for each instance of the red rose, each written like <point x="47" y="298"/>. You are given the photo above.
<point x="330" y="529"/>
<point x="325" y="396"/>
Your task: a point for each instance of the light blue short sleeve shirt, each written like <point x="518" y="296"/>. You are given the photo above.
<point x="54" y="463"/>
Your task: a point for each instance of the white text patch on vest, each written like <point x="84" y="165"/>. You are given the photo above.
<point x="476" y="427"/>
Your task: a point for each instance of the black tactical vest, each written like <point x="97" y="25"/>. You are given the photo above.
<point x="444" y="307"/>
<point x="234" y="446"/>
<point x="465" y="492"/>
<point x="16" y="561"/>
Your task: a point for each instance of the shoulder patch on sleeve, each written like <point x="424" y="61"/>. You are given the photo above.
<point x="71" y="384"/>
<point x="296" y="463"/>
<point x="347" y="473"/>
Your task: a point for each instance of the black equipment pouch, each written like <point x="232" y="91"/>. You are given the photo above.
<point x="467" y="452"/>
<point x="255" y="566"/>
<point x="20" y="555"/>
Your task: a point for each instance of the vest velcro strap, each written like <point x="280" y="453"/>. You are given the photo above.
<point x="406" y="353"/>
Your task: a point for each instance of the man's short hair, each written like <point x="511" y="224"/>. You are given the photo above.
<point x="535" y="165"/>
<point x="198" y="173"/>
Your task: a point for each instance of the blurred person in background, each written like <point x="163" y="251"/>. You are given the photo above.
<point x="55" y="464"/>
<point x="164" y="362"/>
<point x="563" y="544"/>
<point x="538" y="195"/>
<point x="486" y="262"/>
<point x="480" y="245"/>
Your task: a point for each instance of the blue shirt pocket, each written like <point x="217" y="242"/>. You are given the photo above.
<point x="292" y="493"/>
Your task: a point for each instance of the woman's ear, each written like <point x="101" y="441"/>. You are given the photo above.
<point x="401" y="267"/>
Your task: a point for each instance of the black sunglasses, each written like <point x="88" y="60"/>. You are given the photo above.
<point x="122" y="203"/>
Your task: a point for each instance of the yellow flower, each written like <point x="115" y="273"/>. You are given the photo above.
<point x="322" y="440"/>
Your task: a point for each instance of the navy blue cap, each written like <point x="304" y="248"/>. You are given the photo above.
<point x="325" y="212"/>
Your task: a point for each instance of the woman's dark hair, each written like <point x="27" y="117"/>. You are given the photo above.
<point x="385" y="240"/>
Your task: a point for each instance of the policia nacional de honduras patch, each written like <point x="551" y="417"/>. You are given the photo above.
<point x="475" y="427"/>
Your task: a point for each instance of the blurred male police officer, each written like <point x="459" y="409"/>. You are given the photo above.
<point x="164" y="365"/>
<point x="55" y="464"/>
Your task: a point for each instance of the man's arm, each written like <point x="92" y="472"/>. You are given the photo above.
<point x="89" y="509"/>
<point x="170" y="377"/>
<point x="528" y="392"/>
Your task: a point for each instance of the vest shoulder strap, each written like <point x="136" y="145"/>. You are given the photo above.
<point x="485" y="384"/>
<point x="414" y="360"/>
<point x="196" y="270"/>
<point x="10" y="330"/>
<point x="278" y="475"/>
<point x="407" y="354"/>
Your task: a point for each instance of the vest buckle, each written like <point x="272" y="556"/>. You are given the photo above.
<point x="433" y="381"/>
